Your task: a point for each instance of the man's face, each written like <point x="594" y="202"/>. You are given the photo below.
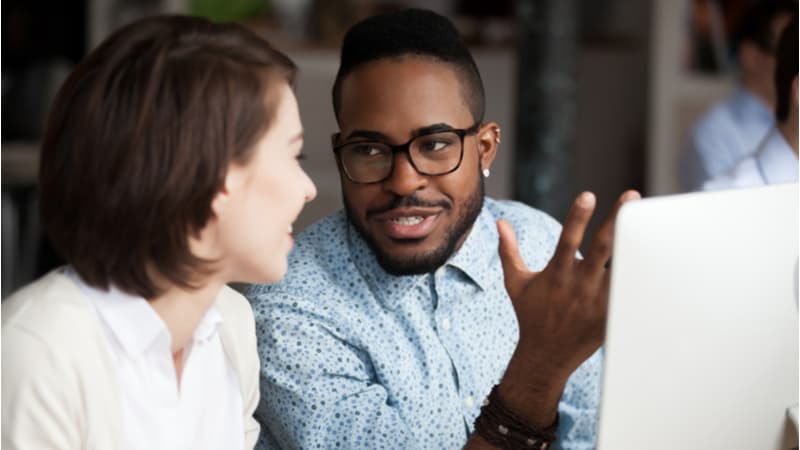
<point x="412" y="222"/>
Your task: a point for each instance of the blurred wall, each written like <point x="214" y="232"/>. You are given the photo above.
<point x="612" y="117"/>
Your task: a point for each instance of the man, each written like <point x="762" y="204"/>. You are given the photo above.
<point x="732" y="129"/>
<point x="775" y="160"/>
<point x="399" y="314"/>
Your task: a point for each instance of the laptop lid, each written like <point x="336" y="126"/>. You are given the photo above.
<point x="701" y="344"/>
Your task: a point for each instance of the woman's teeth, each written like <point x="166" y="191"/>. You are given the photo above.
<point x="408" y="221"/>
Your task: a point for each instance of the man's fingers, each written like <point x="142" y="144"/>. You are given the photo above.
<point x="572" y="233"/>
<point x="600" y="250"/>
<point x="602" y="300"/>
<point x="514" y="267"/>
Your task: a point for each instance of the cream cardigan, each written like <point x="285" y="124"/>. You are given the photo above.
<point x="59" y="387"/>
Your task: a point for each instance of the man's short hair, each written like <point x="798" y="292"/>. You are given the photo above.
<point x="139" y="141"/>
<point x="786" y="70"/>
<point x="411" y="32"/>
<point x="757" y="24"/>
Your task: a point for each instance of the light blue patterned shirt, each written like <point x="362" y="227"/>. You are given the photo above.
<point x="353" y="357"/>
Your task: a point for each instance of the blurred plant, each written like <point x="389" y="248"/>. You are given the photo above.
<point x="229" y="10"/>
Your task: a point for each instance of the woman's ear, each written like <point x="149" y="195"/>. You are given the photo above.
<point x="234" y="180"/>
<point x="220" y="200"/>
<point x="488" y="142"/>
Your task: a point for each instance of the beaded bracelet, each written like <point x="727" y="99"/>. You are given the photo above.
<point x="502" y="428"/>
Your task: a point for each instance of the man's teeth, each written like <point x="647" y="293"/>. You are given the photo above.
<point x="290" y="229"/>
<point x="408" y="221"/>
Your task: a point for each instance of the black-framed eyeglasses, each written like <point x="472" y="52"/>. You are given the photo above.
<point x="435" y="153"/>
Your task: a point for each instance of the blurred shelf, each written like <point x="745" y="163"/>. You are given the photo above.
<point x="20" y="163"/>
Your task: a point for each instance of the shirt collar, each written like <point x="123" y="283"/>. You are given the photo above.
<point x="478" y="251"/>
<point x="776" y="160"/>
<point x="133" y="323"/>
<point x="475" y="253"/>
<point x="751" y="106"/>
<point x="388" y="289"/>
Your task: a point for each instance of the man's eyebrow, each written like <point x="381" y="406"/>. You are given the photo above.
<point x="366" y="134"/>
<point x="378" y="136"/>
<point x="435" y="128"/>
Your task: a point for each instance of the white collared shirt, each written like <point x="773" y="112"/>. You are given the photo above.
<point x="774" y="162"/>
<point x="204" y="413"/>
<point x="729" y="132"/>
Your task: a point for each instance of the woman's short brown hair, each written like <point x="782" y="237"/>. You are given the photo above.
<point x="139" y="140"/>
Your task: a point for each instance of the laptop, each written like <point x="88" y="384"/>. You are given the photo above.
<point x="701" y="346"/>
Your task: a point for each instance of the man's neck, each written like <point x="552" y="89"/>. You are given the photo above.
<point x="757" y="90"/>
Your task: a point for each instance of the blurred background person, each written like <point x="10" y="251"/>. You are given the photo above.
<point x="775" y="160"/>
<point x="733" y="128"/>
<point x="169" y="168"/>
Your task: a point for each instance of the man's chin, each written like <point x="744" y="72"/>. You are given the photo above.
<point x="407" y="256"/>
<point x="431" y="251"/>
<point x="410" y="262"/>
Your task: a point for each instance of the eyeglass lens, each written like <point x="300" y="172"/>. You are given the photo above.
<point x="431" y="154"/>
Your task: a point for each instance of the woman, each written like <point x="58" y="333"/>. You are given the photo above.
<point x="169" y="168"/>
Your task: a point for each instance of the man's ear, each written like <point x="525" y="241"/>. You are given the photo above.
<point x="489" y="139"/>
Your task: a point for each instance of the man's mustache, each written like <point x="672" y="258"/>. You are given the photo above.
<point x="409" y="201"/>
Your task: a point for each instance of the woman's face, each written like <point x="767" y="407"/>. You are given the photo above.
<point x="262" y="199"/>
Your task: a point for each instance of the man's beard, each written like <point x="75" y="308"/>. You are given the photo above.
<point x="428" y="261"/>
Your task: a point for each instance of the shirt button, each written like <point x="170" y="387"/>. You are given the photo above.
<point x="469" y="402"/>
<point x="445" y="324"/>
<point x="440" y="272"/>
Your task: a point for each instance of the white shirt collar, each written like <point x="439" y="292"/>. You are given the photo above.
<point x="134" y="323"/>
<point x="776" y="160"/>
<point x="751" y="107"/>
